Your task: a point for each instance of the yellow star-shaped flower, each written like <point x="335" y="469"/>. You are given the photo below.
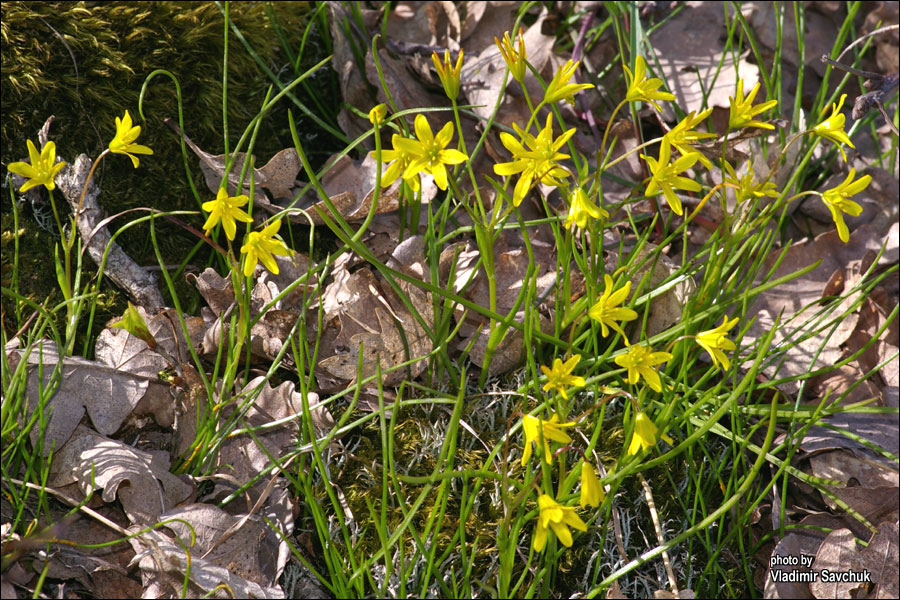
<point x="538" y="162"/>
<point x="715" y="341"/>
<point x="227" y="210"/>
<point x="832" y="128"/>
<point x="560" y="88"/>
<point x="592" y="492"/>
<point x="430" y="152"/>
<point x="580" y="208"/>
<point x="665" y="175"/>
<point x="641" y="89"/>
<point x="126" y="135"/>
<point x="515" y="58"/>
<point x="560" y="376"/>
<point x="557" y="517"/>
<point x="42" y="170"/>
<point x="683" y="135"/>
<point x="644" y="435"/>
<point x="641" y="361"/>
<point x="742" y="111"/>
<point x="537" y="430"/>
<point x="607" y="310"/>
<point x="838" y="201"/>
<point x="260" y="246"/>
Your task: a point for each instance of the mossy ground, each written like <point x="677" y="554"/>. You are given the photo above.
<point x="85" y="63"/>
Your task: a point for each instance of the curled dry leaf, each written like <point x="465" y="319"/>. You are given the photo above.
<point x="350" y="186"/>
<point x="164" y="565"/>
<point x="108" y="394"/>
<point x="798" y="300"/>
<point x="278" y="175"/>
<point x="393" y="337"/>
<point x="90" y="459"/>
<point x="242" y="454"/>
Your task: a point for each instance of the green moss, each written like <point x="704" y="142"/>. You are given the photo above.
<point x="85" y="63"/>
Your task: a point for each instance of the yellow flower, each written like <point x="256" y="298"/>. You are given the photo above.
<point x="560" y="376"/>
<point x="592" y="492"/>
<point x="377" y="114"/>
<point x="741" y="111"/>
<point x="580" y="208"/>
<point x="430" y="152"/>
<point x="832" y="128"/>
<point x="746" y="187"/>
<point x="838" y="201"/>
<point x="260" y="246"/>
<point x="683" y="135"/>
<point x="560" y="88"/>
<point x="644" y="435"/>
<point x="642" y="89"/>
<point x="715" y="341"/>
<point x="665" y="175"/>
<point x="557" y="517"/>
<point x="447" y="73"/>
<point x="400" y="159"/>
<point x="607" y="309"/>
<point x="539" y="162"/>
<point x="123" y="142"/>
<point x="42" y="170"/>
<point x="535" y="429"/>
<point x="515" y="59"/>
<point x="227" y="210"/>
<point x="640" y="361"/>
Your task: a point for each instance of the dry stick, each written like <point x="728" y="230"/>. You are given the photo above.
<point x="120" y="268"/>
<point x="881" y="85"/>
<point x="72" y="502"/>
<point x="659" y="534"/>
<point x="616" y="518"/>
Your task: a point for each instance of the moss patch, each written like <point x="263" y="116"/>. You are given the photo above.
<point x="85" y="63"/>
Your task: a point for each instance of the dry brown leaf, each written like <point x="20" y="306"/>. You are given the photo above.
<point x="164" y="565"/>
<point x="239" y="553"/>
<point x="799" y="542"/>
<point x="870" y="485"/>
<point x="394" y="335"/>
<point x="511" y="267"/>
<point x="883" y="559"/>
<point x="350" y="186"/>
<point x="278" y="175"/>
<point x="90" y="459"/>
<point x="838" y="553"/>
<point x="108" y="394"/>
<point x="242" y="455"/>
<point x="689" y="49"/>
<point x="799" y="298"/>
<point x="102" y="570"/>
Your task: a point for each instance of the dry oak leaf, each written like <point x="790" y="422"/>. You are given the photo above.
<point x="164" y="565"/>
<point x="108" y="394"/>
<point x="278" y="175"/>
<point x="141" y="480"/>
<point x="393" y="336"/>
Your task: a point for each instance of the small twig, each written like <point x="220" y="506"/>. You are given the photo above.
<point x="881" y="85"/>
<point x="659" y="534"/>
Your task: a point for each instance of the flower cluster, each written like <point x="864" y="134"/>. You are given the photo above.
<point x="536" y="160"/>
<point x="428" y="153"/>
